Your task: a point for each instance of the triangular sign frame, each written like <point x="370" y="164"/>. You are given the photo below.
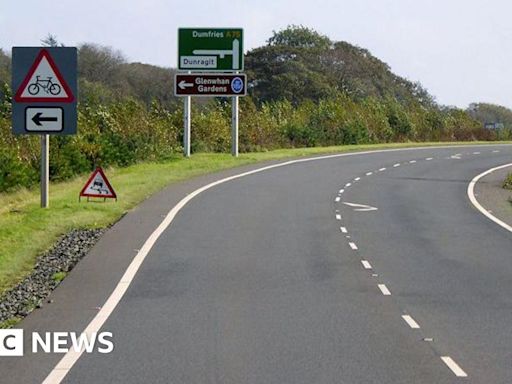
<point x="19" y="93"/>
<point x="111" y="194"/>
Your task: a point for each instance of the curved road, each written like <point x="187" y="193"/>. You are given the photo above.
<point x="274" y="278"/>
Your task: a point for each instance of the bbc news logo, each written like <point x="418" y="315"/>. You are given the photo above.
<point x="12" y="342"/>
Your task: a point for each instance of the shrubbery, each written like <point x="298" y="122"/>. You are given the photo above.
<point x="121" y="132"/>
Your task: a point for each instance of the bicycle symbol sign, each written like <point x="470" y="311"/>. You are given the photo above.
<point x="44" y="82"/>
<point x="44" y="85"/>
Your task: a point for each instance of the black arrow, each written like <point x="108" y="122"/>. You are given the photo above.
<point x="37" y="119"/>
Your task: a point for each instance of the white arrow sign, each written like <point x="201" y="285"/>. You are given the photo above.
<point x="183" y="84"/>
<point x="361" y="207"/>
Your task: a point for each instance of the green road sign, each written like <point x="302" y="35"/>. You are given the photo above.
<point x="210" y="49"/>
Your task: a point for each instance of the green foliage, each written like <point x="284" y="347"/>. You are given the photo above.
<point x="507" y="183"/>
<point x="305" y="91"/>
<point x="298" y="36"/>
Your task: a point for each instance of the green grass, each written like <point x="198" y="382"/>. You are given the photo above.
<point x="26" y="230"/>
<point x="59" y="276"/>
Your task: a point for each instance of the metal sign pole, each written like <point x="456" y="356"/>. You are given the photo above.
<point x="45" y="170"/>
<point x="186" y="126"/>
<point x="234" y="126"/>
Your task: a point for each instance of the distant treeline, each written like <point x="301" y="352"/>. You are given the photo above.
<point x="304" y="90"/>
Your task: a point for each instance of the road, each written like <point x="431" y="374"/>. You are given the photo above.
<point x="274" y="278"/>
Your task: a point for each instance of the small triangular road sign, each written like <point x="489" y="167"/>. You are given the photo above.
<point x="44" y="82"/>
<point x="98" y="186"/>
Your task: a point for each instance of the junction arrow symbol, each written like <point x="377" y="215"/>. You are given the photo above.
<point x="361" y="207"/>
<point x="183" y="84"/>
<point x="38" y="119"/>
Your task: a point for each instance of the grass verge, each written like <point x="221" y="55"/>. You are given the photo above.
<point x="27" y="230"/>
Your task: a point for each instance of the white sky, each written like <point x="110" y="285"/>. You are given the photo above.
<point x="460" y="50"/>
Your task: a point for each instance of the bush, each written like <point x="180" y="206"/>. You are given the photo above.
<point x="507" y="184"/>
<point x="14" y="172"/>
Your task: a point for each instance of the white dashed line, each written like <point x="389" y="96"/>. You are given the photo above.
<point x="476" y="153"/>
<point x="342" y="190"/>
<point x="353" y="246"/>
<point x="348" y="185"/>
<point x="343" y="230"/>
<point x="338" y="217"/>
<point x="396" y="165"/>
<point x="454" y="366"/>
<point x="369" y="173"/>
<point x="429" y="158"/>
<point x="410" y="321"/>
<point x="382" y="169"/>
<point x="412" y="161"/>
<point x="366" y="264"/>
<point x="337" y="199"/>
<point x="496" y="151"/>
<point x="357" y="179"/>
<point x="384" y="289"/>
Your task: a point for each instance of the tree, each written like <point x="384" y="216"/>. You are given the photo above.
<point x="298" y="36"/>
<point x="51" y="41"/>
<point x="99" y="64"/>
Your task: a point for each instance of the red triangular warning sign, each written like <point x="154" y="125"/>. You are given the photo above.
<point x="44" y="82"/>
<point x="98" y="186"/>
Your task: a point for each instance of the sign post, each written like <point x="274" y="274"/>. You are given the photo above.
<point x="44" y="103"/>
<point x="212" y="50"/>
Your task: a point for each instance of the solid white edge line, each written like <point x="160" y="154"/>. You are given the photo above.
<point x="366" y="264"/>
<point x="384" y="289"/>
<point x="454" y="367"/>
<point x="410" y="322"/>
<point x="474" y="201"/>
<point x="353" y="246"/>
<point x="70" y="358"/>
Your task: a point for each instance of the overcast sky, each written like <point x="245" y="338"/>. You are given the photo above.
<point x="460" y="50"/>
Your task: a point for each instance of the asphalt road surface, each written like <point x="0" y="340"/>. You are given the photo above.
<point x="371" y="268"/>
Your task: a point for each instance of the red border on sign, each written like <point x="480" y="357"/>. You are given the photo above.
<point x="91" y="178"/>
<point x="44" y="53"/>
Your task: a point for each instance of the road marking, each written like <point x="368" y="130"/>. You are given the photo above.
<point x="456" y="156"/>
<point x="455" y="368"/>
<point x="361" y="207"/>
<point x="396" y="165"/>
<point x="338" y="217"/>
<point x="369" y="173"/>
<point x="353" y="246"/>
<point x="348" y="185"/>
<point x="429" y="158"/>
<point x="382" y="169"/>
<point x="337" y="199"/>
<point x="410" y="321"/>
<point x="341" y="190"/>
<point x="496" y="151"/>
<point x="65" y="364"/>
<point x="357" y="179"/>
<point x="366" y="264"/>
<point x="343" y="230"/>
<point x="384" y="289"/>
<point x="474" y="201"/>
<point x="412" y="161"/>
<point x="476" y="153"/>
